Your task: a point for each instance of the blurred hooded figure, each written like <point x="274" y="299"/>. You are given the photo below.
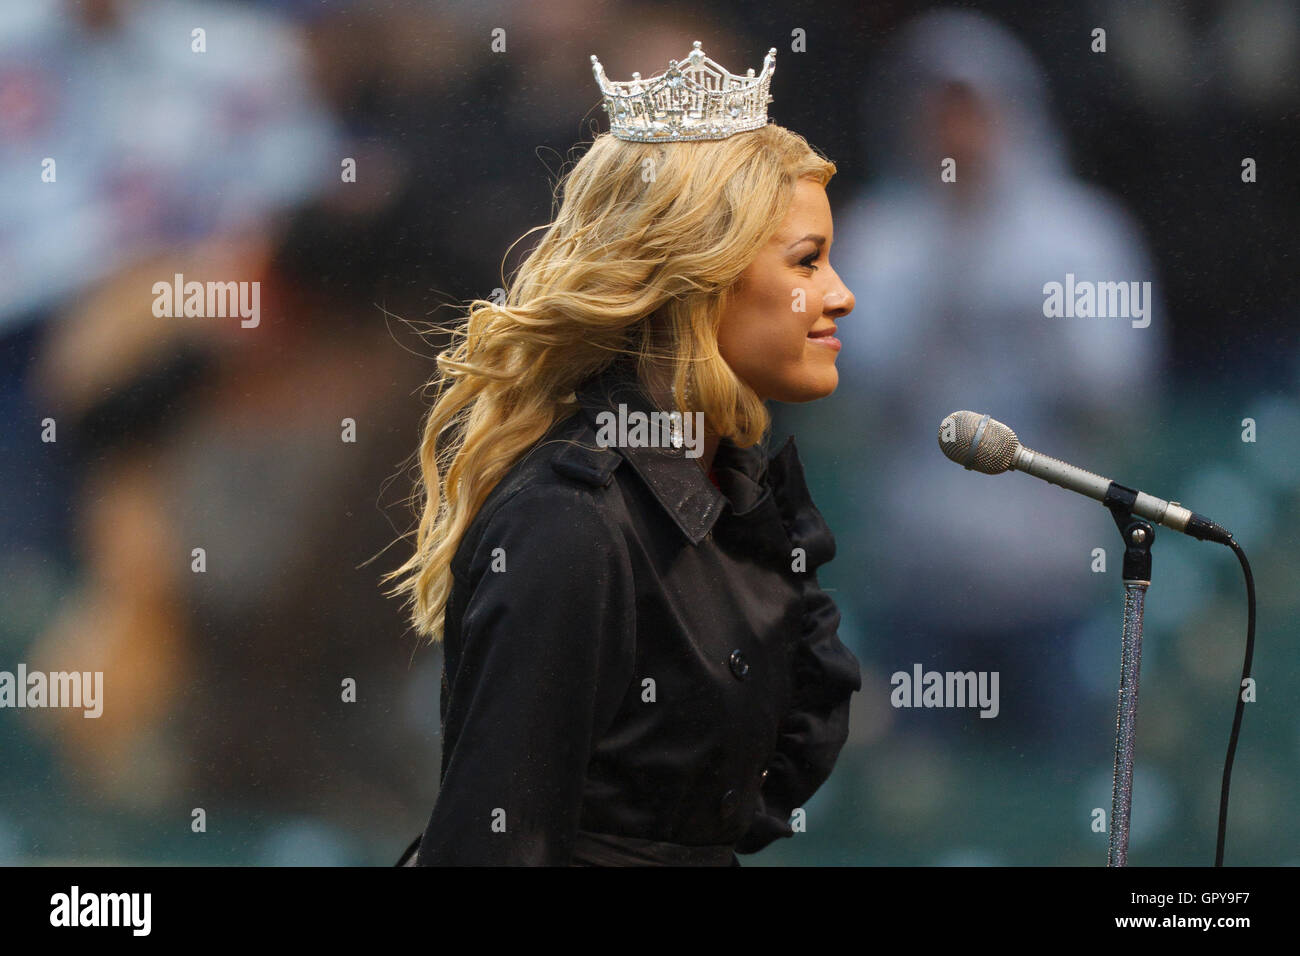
<point x="958" y="570"/>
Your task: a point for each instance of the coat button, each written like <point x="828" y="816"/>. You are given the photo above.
<point x="739" y="666"/>
<point x="730" y="800"/>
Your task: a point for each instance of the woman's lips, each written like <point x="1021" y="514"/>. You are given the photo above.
<point x="826" y="338"/>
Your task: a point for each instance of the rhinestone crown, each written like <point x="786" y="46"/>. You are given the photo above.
<point x="691" y="100"/>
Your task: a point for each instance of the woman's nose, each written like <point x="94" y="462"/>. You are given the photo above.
<point x="838" y="303"/>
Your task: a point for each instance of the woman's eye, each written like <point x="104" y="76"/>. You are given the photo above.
<point x="807" y="261"/>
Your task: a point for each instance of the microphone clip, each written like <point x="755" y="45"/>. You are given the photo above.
<point x="1137" y="532"/>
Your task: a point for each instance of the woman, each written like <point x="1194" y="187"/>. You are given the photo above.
<point x="639" y="664"/>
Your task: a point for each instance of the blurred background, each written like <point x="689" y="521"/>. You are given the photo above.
<point x="224" y="688"/>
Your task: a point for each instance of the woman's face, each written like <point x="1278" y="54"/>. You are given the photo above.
<point x="772" y="333"/>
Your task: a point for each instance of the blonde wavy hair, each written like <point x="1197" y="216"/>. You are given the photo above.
<point x="641" y="260"/>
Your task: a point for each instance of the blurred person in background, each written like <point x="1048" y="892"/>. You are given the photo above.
<point x="950" y="279"/>
<point x="224" y="688"/>
<point x="119" y="141"/>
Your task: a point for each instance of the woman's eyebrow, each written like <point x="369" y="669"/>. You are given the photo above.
<point x="818" y="240"/>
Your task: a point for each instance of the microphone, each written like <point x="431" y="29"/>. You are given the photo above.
<point x="980" y="443"/>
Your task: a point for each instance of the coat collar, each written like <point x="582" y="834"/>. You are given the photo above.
<point x="677" y="482"/>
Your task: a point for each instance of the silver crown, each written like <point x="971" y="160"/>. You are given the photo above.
<point x="691" y="100"/>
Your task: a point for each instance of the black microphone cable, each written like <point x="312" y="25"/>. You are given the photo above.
<point x="1241" y="697"/>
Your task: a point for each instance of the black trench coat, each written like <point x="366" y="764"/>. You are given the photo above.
<point x="633" y="670"/>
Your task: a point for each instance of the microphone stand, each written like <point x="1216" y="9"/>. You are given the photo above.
<point x="1138" y="537"/>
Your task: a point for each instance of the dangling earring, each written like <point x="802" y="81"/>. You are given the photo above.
<point x="676" y="415"/>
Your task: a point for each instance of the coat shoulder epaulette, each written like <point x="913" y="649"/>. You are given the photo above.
<point x="592" y="465"/>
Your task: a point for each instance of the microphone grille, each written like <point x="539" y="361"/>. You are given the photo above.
<point x="978" y="442"/>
